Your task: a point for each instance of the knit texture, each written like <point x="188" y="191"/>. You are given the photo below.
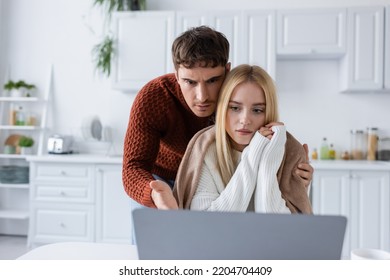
<point x="292" y="187"/>
<point x="268" y="197"/>
<point x="211" y="193"/>
<point x="160" y="126"/>
<point x="255" y="176"/>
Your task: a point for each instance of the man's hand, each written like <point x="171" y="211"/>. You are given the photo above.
<point x="162" y="195"/>
<point x="305" y="170"/>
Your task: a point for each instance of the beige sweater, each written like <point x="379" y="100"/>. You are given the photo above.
<point x="292" y="189"/>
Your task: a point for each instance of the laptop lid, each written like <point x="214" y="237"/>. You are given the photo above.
<point x="198" y="235"/>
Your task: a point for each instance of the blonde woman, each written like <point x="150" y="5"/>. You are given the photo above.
<point x="247" y="161"/>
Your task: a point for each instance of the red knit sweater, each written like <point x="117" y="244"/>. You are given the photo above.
<point x="160" y="126"/>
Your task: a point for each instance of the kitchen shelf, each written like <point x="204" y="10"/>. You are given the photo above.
<point x="19" y="127"/>
<point x="15" y="186"/>
<point x="14" y="214"/>
<point x="14" y="198"/>
<point x="14" y="156"/>
<point x="18" y="99"/>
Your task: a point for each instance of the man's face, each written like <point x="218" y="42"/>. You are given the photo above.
<point x="200" y="87"/>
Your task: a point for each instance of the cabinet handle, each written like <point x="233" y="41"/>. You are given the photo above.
<point x="353" y="176"/>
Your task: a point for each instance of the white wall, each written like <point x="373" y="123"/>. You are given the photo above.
<point x="255" y="4"/>
<point x="39" y="33"/>
<point x="2" y="53"/>
<point x="312" y="107"/>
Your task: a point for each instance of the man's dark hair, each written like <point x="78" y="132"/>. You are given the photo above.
<point x="201" y="46"/>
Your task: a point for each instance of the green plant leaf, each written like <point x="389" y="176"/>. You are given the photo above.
<point x="103" y="52"/>
<point x="102" y="55"/>
<point x="25" y="141"/>
<point x="110" y="5"/>
<point x="16" y="85"/>
<point x="9" y="85"/>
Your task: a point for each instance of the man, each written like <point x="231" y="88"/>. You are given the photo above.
<point x="170" y="109"/>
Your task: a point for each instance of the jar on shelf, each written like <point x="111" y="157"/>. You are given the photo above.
<point x="332" y="152"/>
<point x="314" y="154"/>
<point x="324" y="151"/>
<point x="12" y="114"/>
<point x="20" y="116"/>
<point x="372" y="143"/>
<point x="358" y="145"/>
<point x="384" y="149"/>
<point x="345" y="155"/>
<point x="31" y="119"/>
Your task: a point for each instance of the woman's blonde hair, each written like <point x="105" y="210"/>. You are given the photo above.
<point x="241" y="74"/>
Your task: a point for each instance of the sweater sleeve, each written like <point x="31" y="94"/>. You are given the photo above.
<point x="211" y="194"/>
<point x="268" y="197"/>
<point x="141" y="144"/>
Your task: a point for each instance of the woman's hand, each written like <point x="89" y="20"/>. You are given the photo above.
<point x="162" y="195"/>
<point x="266" y="130"/>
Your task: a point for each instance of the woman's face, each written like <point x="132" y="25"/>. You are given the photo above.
<point x="245" y="114"/>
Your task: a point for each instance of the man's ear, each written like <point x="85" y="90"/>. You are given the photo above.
<point x="176" y="75"/>
<point x="228" y="66"/>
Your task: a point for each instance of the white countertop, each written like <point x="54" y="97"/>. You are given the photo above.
<point x="77" y="158"/>
<point x="350" y="164"/>
<point x="117" y="159"/>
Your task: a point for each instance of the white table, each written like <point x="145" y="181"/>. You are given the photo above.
<point x="82" y="251"/>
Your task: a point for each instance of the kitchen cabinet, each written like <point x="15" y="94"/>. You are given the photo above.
<point x="143" y="47"/>
<point x="363" y="67"/>
<point x="362" y="195"/>
<point x="387" y="48"/>
<point x="62" y="202"/>
<point x="356" y="36"/>
<point x="227" y="22"/>
<point x="259" y="39"/>
<point x="78" y="198"/>
<point x="112" y="206"/>
<point x="311" y="33"/>
<point x="61" y="223"/>
<point x="14" y="187"/>
<point x="251" y="35"/>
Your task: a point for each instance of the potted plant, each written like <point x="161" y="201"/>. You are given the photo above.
<point x="25" y="143"/>
<point x="102" y="55"/>
<point x="121" y="5"/>
<point x="103" y="52"/>
<point x="19" y="88"/>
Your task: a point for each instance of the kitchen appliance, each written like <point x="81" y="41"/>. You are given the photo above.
<point x="60" y="144"/>
<point x="92" y="128"/>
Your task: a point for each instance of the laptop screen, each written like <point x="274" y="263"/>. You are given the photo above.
<point x="198" y="235"/>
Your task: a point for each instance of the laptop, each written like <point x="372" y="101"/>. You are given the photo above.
<point x="200" y="235"/>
